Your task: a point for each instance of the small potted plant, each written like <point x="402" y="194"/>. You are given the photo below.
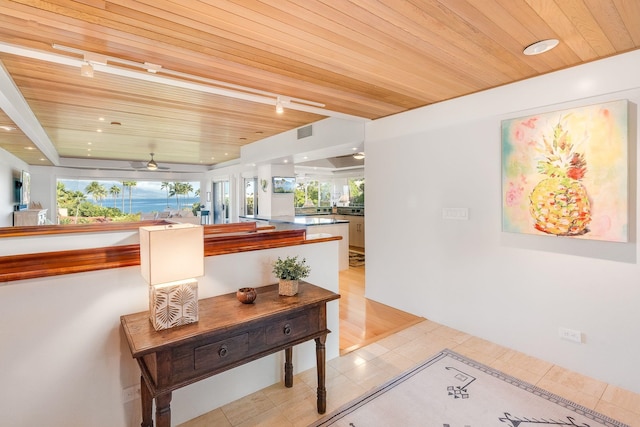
<point x="289" y="271"/>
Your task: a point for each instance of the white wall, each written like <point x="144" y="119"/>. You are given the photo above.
<point x="65" y="361"/>
<point x="512" y="289"/>
<point x="330" y="137"/>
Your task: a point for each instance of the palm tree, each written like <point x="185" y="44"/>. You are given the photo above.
<point x="166" y="186"/>
<point x="181" y="189"/>
<point x="188" y="188"/>
<point x="97" y="191"/>
<point x="78" y="197"/>
<point x="176" y="191"/>
<point x="114" y="191"/>
<point x="129" y="185"/>
<point x="123" y="187"/>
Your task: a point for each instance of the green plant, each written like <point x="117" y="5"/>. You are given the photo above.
<point x="290" y="268"/>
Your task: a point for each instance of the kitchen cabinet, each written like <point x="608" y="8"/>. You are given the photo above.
<point x="356" y="230"/>
<point x="356" y="227"/>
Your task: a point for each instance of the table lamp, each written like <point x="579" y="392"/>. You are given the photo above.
<point x="171" y="256"/>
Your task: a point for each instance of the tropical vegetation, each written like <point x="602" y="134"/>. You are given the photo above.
<point x="318" y="193"/>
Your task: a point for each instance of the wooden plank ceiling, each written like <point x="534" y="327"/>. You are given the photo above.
<point x="363" y="58"/>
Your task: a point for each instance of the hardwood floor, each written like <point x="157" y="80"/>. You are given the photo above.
<point x="363" y="321"/>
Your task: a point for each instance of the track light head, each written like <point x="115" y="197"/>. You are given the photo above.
<point x="86" y="70"/>
<point x="279" y="107"/>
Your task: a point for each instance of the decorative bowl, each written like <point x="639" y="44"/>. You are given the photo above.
<point x="246" y="295"/>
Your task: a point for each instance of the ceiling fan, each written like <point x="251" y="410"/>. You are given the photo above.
<point x="151" y="165"/>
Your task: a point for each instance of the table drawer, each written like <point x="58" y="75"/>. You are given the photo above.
<point x="221" y="353"/>
<point x="291" y="328"/>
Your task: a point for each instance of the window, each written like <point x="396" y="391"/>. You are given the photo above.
<point x="356" y="191"/>
<point x="342" y="192"/>
<point x="250" y="196"/>
<point x="83" y="201"/>
<point x="306" y="194"/>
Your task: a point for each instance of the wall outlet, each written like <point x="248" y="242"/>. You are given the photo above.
<point x="130" y="393"/>
<point x="570" y="335"/>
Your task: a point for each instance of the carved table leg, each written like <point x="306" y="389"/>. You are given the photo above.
<point x="288" y="367"/>
<point x="320" y="367"/>
<point x="147" y="404"/>
<point x="163" y="410"/>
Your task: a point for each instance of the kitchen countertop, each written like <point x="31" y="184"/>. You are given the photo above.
<point x="298" y="220"/>
<point x="343" y="211"/>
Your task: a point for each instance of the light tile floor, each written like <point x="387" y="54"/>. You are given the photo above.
<point x="353" y="374"/>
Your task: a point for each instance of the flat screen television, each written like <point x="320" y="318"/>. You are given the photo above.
<point x="284" y="184"/>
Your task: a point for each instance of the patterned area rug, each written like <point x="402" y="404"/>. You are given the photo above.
<point x="356" y="259"/>
<point x="450" y="390"/>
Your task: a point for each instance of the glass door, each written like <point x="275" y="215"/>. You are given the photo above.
<point x="221" y="202"/>
<point x="251" y="196"/>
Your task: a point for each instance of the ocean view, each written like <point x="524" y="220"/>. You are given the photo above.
<point x="147" y="205"/>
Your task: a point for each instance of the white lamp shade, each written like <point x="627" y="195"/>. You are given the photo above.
<point x="171" y="252"/>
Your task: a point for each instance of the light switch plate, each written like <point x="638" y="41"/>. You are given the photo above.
<point x="455" y="213"/>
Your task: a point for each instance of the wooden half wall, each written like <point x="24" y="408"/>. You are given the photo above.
<point x="218" y="239"/>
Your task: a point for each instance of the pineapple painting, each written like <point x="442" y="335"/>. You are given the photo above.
<point x="560" y="203"/>
<point x="564" y="173"/>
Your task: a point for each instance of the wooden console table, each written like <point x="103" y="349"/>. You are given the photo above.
<point x="227" y="335"/>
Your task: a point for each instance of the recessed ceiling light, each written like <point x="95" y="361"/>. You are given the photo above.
<point x="540" y="47"/>
<point x="101" y="119"/>
<point x="8" y="128"/>
<point x="98" y="130"/>
<point x="29" y="148"/>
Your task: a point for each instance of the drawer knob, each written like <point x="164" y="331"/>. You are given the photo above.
<point x="223" y="351"/>
<point x="287" y="329"/>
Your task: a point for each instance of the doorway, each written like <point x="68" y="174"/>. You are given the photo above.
<point x="221" y="202"/>
<point x="251" y="196"/>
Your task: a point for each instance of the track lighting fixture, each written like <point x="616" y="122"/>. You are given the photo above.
<point x="86" y="70"/>
<point x="279" y="107"/>
<point x="152" y="68"/>
<point x="158" y="74"/>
